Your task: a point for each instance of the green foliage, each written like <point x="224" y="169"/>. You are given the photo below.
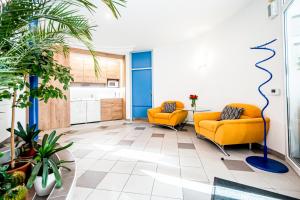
<point x="28" y="135"/>
<point x="18" y="178"/>
<point x="8" y="183"/>
<point x="29" y="50"/>
<point x="44" y="162"/>
<point x="5" y="181"/>
<point x="17" y="193"/>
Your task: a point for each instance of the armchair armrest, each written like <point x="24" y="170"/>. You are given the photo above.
<point x="176" y="112"/>
<point x="207" y="116"/>
<point x="152" y="111"/>
<point x="245" y="121"/>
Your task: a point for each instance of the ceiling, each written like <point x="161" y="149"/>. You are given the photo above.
<point x="146" y="24"/>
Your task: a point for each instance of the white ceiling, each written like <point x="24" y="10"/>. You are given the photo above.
<point x="146" y="24"/>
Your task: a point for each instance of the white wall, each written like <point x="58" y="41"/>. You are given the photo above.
<point x="5" y="118"/>
<point x="219" y="67"/>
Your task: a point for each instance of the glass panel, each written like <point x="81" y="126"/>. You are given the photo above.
<point x="293" y="78"/>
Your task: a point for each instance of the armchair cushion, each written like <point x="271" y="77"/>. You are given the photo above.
<point x="230" y="112"/>
<point x="169" y="107"/>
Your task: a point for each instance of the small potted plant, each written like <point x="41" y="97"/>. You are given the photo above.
<point x="193" y="98"/>
<point x="46" y="168"/>
<point x="28" y="135"/>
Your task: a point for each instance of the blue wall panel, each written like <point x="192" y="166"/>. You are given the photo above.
<point x="141" y="60"/>
<point x="141" y="84"/>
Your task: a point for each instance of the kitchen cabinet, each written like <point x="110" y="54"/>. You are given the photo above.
<point x="82" y="67"/>
<point x="93" y="111"/>
<point x="78" y="112"/>
<point x="85" y="111"/>
<point x="76" y="63"/>
<point x="111" y="109"/>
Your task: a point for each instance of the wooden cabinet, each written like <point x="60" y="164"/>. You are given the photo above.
<point x="83" y="71"/>
<point x="111" y="109"/>
<point x="76" y="64"/>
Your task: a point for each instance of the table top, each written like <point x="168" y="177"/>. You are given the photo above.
<point x="197" y="109"/>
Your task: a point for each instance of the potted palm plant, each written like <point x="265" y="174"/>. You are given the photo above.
<point x="46" y="167"/>
<point x="26" y="51"/>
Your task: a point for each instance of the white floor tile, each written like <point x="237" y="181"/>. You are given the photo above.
<point x="103" y="194"/>
<point x="123" y="167"/>
<point x="95" y="154"/>
<point x="188" y="153"/>
<point x="131" y="196"/>
<point x="85" y="163"/>
<point x="192" y="169"/>
<point x="162" y="198"/>
<point x="168" y="170"/>
<point x="111" y="156"/>
<point x="190" y="162"/>
<point x="113" y="181"/>
<point x="167" y="190"/>
<point x="102" y="165"/>
<point x="194" y="174"/>
<point x="142" y="167"/>
<point x="81" y="193"/>
<point x="139" y="184"/>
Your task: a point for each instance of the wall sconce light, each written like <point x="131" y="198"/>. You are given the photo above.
<point x="273" y="9"/>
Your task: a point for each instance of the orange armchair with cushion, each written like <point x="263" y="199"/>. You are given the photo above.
<point x="246" y="130"/>
<point x="157" y="116"/>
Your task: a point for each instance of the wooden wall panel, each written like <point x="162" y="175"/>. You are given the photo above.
<point x="56" y="112"/>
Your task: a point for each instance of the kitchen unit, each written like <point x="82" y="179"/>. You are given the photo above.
<point x="88" y="110"/>
<point x="87" y="92"/>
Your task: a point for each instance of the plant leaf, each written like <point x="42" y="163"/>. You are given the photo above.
<point x="33" y="175"/>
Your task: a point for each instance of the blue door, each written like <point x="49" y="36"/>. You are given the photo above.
<point x="141" y="84"/>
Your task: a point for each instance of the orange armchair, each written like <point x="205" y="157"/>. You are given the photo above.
<point x="246" y="130"/>
<point x="157" y="116"/>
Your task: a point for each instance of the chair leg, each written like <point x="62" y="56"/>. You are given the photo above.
<point x="173" y="128"/>
<point x="222" y="149"/>
<point x="250" y="146"/>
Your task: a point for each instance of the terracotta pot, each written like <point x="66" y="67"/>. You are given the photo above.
<point x="28" y="154"/>
<point x="20" y="166"/>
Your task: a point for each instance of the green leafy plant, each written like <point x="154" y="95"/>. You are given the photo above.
<point x="28" y="135"/>
<point x="44" y="163"/>
<point x="17" y="193"/>
<point x="10" y="184"/>
<point x="31" y="34"/>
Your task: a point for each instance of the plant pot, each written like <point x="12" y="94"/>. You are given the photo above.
<point x="40" y="191"/>
<point x="20" y="166"/>
<point x="29" y="154"/>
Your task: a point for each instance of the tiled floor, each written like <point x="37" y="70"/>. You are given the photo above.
<point x="135" y="161"/>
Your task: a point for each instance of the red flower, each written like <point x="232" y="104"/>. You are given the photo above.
<point x="193" y="96"/>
